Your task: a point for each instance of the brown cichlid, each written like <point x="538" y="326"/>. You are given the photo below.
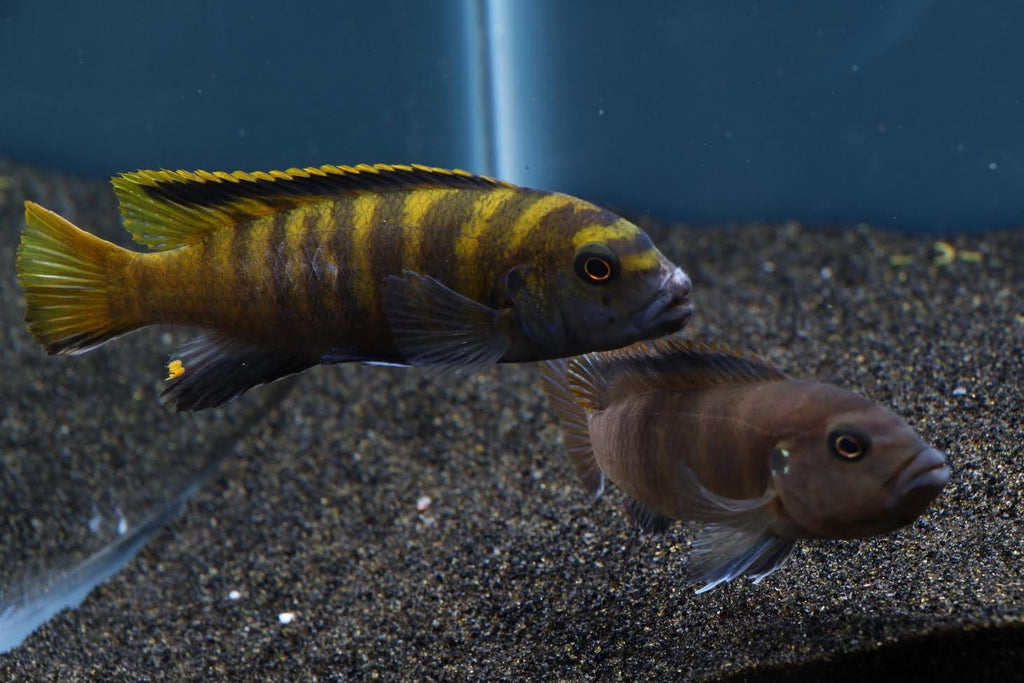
<point x="702" y="434"/>
<point x="404" y="265"/>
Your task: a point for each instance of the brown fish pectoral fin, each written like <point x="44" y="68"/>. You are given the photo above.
<point x="722" y="552"/>
<point x="432" y="324"/>
<point x="573" y="420"/>
<point x="209" y="371"/>
<point x="649" y="520"/>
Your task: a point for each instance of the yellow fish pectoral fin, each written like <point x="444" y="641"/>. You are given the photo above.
<point x="432" y="324"/>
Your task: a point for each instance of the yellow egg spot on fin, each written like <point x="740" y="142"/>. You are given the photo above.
<point x="175" y="369"/>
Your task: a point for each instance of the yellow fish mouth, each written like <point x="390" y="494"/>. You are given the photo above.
<point x="670" y="309"/>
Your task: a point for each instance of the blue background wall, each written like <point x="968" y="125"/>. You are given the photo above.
<point x="904" y="114"/>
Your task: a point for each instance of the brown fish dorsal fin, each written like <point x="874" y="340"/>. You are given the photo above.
<point x="167" y="209"/>
<point x="600" y="379"/>
<point x="575" y="431"/>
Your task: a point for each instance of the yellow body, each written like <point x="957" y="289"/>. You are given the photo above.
<point x="298" y="264"/>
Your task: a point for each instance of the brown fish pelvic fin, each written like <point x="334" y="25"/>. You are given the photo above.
<point x="722" y="552"/>
<point x="573" y="421"/>
<point x="69" y="277"/>
<point x="209" y="371"/>
<point x="735" y="539"/>
<point x="599" y="379"/>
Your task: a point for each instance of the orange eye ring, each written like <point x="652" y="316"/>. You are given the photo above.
<point x="597" y="268"/>
<point x="596" y="264"/>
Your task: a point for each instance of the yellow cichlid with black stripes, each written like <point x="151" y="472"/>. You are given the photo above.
<point x="405" y="265"/>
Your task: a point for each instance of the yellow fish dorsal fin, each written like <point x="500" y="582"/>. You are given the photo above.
<point x="167" y="209"/>
<point x="600" y="379"/>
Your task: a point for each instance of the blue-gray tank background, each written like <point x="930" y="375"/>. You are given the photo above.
<point x="906" y="114"/>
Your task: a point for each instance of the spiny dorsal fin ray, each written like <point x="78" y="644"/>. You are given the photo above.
<point x="575" y="432"/>
<point x="602" y="378"/>
<point x="166" y="209"/>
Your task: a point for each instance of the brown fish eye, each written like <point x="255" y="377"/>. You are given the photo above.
<point x="847" y="445"/>
<point x="595" y="267"/>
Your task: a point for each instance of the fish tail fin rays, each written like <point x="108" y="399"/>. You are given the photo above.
<point x="573" y="419"/>
<point x="209" y="371"/>
<point x="67" y="274"/>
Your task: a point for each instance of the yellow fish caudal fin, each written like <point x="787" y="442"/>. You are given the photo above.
<point x="66" y="274"/>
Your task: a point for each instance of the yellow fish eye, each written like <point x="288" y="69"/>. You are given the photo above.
<point x="595" y="263"/>
<point x="847" y="444"/>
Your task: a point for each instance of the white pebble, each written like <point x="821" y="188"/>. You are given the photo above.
<point x="826" y="273"/>
<point x="286" y="617"/>
<point x="959" y="391"/>
<point x="423" y="502"/>
<point x="234" y="595"/>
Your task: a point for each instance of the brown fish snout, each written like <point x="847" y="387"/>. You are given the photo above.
<point x="919" y="482"/>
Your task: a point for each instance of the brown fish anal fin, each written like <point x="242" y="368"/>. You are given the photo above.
<point x="573" y="421"/>
<point x="209" y="371"/>
<point x="165" y="209"/>
<point x="722" y="552"/>
<point x="599" y="379"/>
<point x="432" y="324"/>
<point x="649" y="521"/>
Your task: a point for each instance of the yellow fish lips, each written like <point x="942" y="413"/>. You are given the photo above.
<point x="670" y="309"/>
<point x="916" y="484"/>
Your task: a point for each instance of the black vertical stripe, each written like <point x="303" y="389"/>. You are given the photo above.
<point x="344" y="310"/>
<point x="244" y="273"/>
<point x="442" y="226"/>
<point x="277" y="261"/>
<point x="385" y="245"/>
<point x="310" y="282"/>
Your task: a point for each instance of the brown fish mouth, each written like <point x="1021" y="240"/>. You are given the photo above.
<point x="919" y="481"/>
<point x="670" y="309"/>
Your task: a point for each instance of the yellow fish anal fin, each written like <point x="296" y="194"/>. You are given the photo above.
<point x="601" y="378"/>
<point x="167" y="209"/>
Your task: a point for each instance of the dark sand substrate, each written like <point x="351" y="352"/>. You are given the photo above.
<point x="511" y="572"/>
